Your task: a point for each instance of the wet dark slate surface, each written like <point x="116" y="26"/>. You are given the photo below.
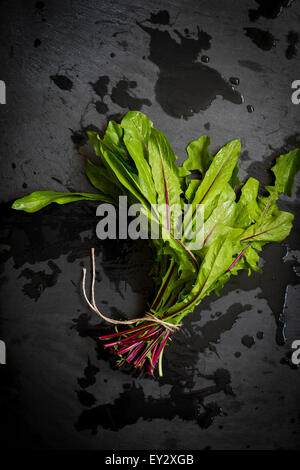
<point x="69" y="67"/>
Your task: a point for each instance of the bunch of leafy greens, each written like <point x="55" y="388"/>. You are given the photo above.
<point x="136" y="160"/>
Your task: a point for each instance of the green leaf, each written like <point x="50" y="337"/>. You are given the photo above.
<point x="102" y="180"/>
<point x="113" y="140"/>
<point x="130" y="180"/>
<point x="40" y="199"/>
<point x="219" y="173"/>
<point x="95" y="140"/>
<point x="199" y="158"/>
<point x="285" y="170"/>
<point x="192" y="186"/>
<point x="269" y="228"/>
<point x="162" y="161"/>
<point x="247" y="210"/>
<point x="215" y="264"/>
<point x="216" y="178"/>
<point x="223" y="212"/>
<point x="137" y="129"/>
<point x="234" y="180"/>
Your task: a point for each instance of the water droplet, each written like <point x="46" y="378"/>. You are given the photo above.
<point x="234" y="81"/>
<point x="205" y="59"/>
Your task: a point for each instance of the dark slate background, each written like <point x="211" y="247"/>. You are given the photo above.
<point x="71" y="66"/>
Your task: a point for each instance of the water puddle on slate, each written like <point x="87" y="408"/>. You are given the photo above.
<point x="184" y="86"/>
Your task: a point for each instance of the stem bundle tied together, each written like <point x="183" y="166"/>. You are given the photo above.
<point x="149" y="317"/>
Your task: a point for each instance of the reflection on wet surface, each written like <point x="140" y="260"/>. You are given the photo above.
<point x="132" y="405"/>
<point x="179" y="69"/>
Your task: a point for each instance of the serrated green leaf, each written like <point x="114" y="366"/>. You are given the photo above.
<point x="285" y="170"/>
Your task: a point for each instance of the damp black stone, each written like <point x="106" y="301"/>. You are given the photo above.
<point x="262" y="39"/>
<point x="53" y="232"/>
<point x="62" y="82"/>
<point x="89" y="378"/>
<point x="292" y="49"/>
<point x="269" y="8"/>
<point x="132" y="405"/>
<point x="37" y="42"/>
<point x="234" y="80"/>
<point x="251" y="65"/>
<point x="39" y="5"/>
<point x="120" y="94"/>
<point x="80" y="138"/>
<point x="162" y="17"/>
<point x="39" y="280"/>
<point x="123" y="44"/>
<point x="86" y="398"/>
<point x="100" y="87"/>
<point x="185" y="86"/>
<point x="205" y="59"/>
<point x="101" y="107"/>
<point x="248" y="341"/>
<point x="207" y="413"/>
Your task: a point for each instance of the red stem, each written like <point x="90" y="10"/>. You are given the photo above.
<point x="257" y="234"/>
<point x="268" y="205"/>
<point x="156" y="303"/>
<point x="187" y="250"/>
<point x="124" y="350"/>
<point x="161" y="347"/>
<point x="210" y="234"/>
<point x="126" y="331"/>
<point x="166" y="196"/>
<point x="238" y="257"/>
<point x="134" y="353"/>
<point x="139" y="359"/>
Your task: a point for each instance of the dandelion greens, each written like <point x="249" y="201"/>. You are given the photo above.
<point x="136" y="160"/>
